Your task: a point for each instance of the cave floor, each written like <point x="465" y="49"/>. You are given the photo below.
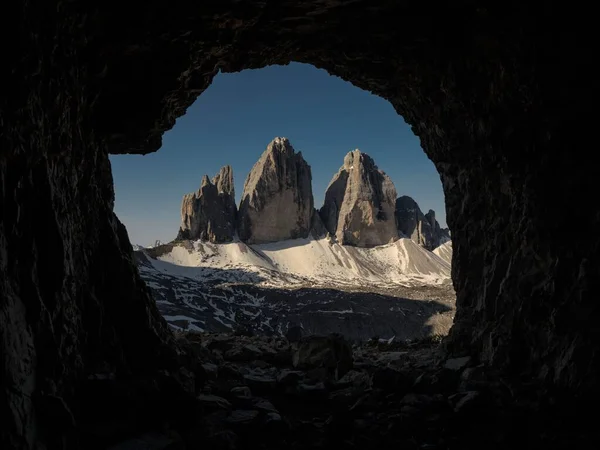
<point x="247" y="394"/>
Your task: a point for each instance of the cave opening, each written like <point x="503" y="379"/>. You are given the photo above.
<point x="381" y="271"/>
<point x="500" y="100"/>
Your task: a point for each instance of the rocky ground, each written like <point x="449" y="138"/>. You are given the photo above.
<point x="316" y="392"/>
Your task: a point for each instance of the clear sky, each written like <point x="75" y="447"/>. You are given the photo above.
<point x="232" y="122"/>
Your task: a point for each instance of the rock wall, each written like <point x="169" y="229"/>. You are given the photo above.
<point x="277" y="202"/>
<point x="502" y="108"/>
<point x="421" y="228"/>
<point x="359" y="203"/>
<point x="210" y="213"/>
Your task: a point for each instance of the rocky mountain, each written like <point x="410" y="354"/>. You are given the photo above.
<point x="421" y="228"/>
<point x="210" y="213"/>
<point x="359" y="203"/>
<point x="277" y="202"/>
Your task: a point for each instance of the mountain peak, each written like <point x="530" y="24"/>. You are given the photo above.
<point x="277" y="202"/>
<point x="359" y="209"/>
<point x="423" y="229"/>
<point x="210" y="213"/>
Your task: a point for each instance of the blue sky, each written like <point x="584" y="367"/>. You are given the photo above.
<point x="232" y="122"/>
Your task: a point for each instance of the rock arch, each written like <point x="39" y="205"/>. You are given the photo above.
<point x="500" y="100"/>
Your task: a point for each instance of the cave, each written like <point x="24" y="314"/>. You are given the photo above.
<point x="499" y="97"/>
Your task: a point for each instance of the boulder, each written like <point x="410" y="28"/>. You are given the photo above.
<point x="330" y="352"/>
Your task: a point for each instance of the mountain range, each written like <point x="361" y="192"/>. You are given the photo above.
<point x="360" y="207"/>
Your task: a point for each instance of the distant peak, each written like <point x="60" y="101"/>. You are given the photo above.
<point x="355" y="157"/>
<point x="205" y="181"/>
<point x="281" y="143"/>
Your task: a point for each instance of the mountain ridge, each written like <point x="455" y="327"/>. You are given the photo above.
<point x="360" y="207"/>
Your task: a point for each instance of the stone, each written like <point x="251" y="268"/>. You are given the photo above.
<point x="244" y="353"/>
<point x="260" y="364"/>
<point x="260" y="382"/>
<point x="213" y="401"/>
<point x="474" y="378"/>
<point x="356" y="379"/>
<point x="150" y="441"/>
<point x="289" y="377"/>
<point x="241" y="392"/>
<point x="264" y="405"/>
<point x="391" y="357"/>
<point x="330" y="352"/>
<point x="242" y="417"/>
<point x="464" y="401"/>
<point x="211" y="370"/>
<point x="423" y="229"/>
<point x="360" y="203"/>
<point x="273" y="418"/>
<point x="220" y="342"/>
<point x="210" y="213"/>
<point x="346" y="396"/>
<point x="277" y="202"/>
<point x="457" y="363"/>
<point x="318" y="388"/>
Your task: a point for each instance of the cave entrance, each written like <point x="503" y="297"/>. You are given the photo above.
<point x="500" y="99"/>
<point x="326" y="119"/>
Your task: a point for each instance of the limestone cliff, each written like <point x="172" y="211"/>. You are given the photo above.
<point x="209" y="214"/>
<point x="423" y="229"/>
<point x="277" y="202"/>
<point x="359" y="203"/>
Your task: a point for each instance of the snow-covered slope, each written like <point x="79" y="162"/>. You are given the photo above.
<point x="444" y="251"/>
<point x="398" y="289"/>
<point x="316" y="261"/>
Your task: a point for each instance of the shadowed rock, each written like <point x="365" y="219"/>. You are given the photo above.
<point x="421" y="228"/>
<point x="317" y="227"/>
<point x="209" y="214"/>
<point x="359" y="203"/>
<point x="332" y="353"/>
<point x="277" y="203"/>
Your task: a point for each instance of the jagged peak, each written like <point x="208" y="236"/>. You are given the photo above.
<point x="358" y="157"/>
<point x="281" y="144"/>
<point x="205" y="181"/>
<point x="280" y="140"/>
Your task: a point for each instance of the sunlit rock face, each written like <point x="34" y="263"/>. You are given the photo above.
<point x="359" y="203"/>
<point x="502" y="108"/>
<point x="277" y="202"/>
<point x="210" y="213"/>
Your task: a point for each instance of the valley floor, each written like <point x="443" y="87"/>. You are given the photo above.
<point x="398" y="291"/>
